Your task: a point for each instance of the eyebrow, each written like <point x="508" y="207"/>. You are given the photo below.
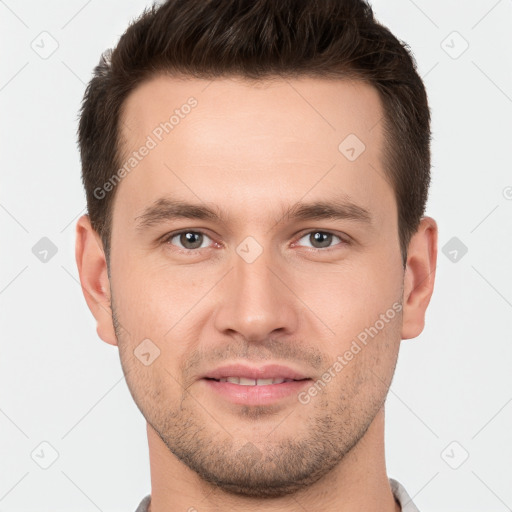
<point x="165" y="209"/>
<point x="171" y="209"/>
<point x="333" y="209"/>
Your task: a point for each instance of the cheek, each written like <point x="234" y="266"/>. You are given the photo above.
<point x="158" y="310"/>
<point x="151" y="298"/>
<point x="155" y="388"/>
<point x="350" y="297"/>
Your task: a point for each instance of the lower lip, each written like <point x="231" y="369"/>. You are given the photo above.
<point x="256" y="395"/>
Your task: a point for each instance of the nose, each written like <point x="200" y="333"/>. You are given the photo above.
<point x="257" y="300"/>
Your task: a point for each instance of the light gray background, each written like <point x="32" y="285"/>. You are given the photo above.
<point x="59" y="383"/>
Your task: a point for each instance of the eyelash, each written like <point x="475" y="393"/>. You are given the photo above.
<point x="167" y="240"/>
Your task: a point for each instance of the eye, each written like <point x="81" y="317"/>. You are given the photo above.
<point x="320" y="239"/>
<point x="189" y="240"/>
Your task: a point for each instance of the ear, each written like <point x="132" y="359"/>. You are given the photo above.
<point x="419" y="277"/>
<point x="92" y="269"/>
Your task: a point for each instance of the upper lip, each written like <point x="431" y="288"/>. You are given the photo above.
<point x="272" y="371"/>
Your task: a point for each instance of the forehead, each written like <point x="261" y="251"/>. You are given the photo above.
<point x="305" y="108"/>
<point x="243" y="142"/>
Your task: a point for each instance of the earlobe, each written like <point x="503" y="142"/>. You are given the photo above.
<point x="419" y="277"/>
<point x="92" y="269"/>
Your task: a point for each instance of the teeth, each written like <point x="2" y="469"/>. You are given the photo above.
<point x="242" y="381"/>
<point x="263" y="382"/>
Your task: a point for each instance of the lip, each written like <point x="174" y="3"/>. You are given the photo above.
<point x="256" y="395"/>
<point x="272" y="371"/>
<point x="252" y="394"/>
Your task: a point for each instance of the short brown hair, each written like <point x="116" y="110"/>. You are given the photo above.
<point x="258" y="39"/>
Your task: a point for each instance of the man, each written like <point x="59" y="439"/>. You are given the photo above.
<point x="255" y="245"/>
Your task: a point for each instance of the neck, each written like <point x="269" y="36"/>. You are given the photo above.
<point x="358" y="482"/>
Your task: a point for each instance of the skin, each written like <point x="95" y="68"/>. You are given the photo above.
<point x="253" y="150"/>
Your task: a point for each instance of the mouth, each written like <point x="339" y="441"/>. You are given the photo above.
<point x="244" y="385"/>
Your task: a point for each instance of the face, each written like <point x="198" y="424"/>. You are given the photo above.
<point x="256" y="237"/>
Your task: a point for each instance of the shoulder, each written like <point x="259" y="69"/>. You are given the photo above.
<point x="144" y="504"/>
<point x="401" y="496"/>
